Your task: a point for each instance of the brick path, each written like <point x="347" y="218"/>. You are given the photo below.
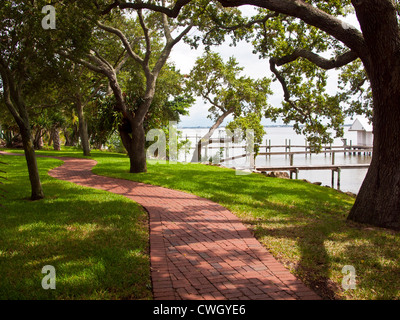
<point x="198" y="249"/>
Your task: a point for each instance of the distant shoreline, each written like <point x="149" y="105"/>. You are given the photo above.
<point x="268" y="126"/>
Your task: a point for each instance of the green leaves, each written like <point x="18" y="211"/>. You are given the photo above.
<point x="308" y="105"/>
<point x="313" y="111"/>
<point x="222" y="86"/>
<point x="103" y="120"/>
<point x="250" y="121"/>
<point x="355" y="90"/>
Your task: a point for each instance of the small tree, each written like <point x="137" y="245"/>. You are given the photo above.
<point x="17" y="67"/>
<point x="221" y="85"/>
<point x="28" y="66"/>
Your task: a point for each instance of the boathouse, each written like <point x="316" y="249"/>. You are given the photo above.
<point x="363" y="128"/>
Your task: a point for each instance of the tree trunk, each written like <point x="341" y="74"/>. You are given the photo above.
<point x="38" y="141"/>
<point x="83" y="132"/>
<point x="36" y="186"/>
<point x="50" y="138"/>
<point x="131" y="129"/>
<point x="134" y="140"/>
<point x="8" y="135"/>
<point x="69" y="142"/>
<point x="15" y="104"/>
<point x="378" y="201"/>
<point x="138" y="162"/>
<point x="197" y="152"/>
<point x="55" y="135"/>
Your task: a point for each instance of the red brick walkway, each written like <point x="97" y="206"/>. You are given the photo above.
<point x="198" y="249"/>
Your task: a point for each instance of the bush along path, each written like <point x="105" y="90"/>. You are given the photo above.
<point x="198" y="249"/>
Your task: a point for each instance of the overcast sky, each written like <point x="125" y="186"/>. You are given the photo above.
<point x="184" y="58"/>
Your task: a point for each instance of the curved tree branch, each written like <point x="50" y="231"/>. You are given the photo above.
<point x="104" y="67"/>
<point x="171" y="12"/>
<point x="321" y="62"/>
<point x="311" y="15"/>
<point x="241" y="26"/>
<point x="119" y="66"/>
<point x="124" y="41"/>
<point x="80" y="61"/>
<point x="167" y="30"/>
<point x="168" y="48"/>
<point x="103" y="60"/>
<point x="146" y="36"/>
<point x="281" y="79"/>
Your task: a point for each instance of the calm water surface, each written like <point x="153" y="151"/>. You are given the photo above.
<point x="351" y="179"/>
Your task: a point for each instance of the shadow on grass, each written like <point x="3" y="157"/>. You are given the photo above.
<point x="307" y="221"/>
<point x="226" y="188"/>
<point x="325" y="246"/>
<point x="97" y="242"/>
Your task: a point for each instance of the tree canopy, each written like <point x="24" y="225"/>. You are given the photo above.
<point x="301" y="40"/>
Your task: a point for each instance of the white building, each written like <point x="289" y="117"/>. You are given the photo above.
<point x="365" y="136"/>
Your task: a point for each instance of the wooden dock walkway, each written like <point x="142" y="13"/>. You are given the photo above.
<point x="295" y="170"/>
<point x="225" y="144"/>
<point x="317" y="167"/>
<point x="292" y="153"/>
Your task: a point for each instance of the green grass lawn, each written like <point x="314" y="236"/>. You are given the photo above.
<point x="303" y="225"/>
<point x="97" y="241"/>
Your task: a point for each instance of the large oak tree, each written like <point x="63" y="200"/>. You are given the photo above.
<point x="146" y="40"/>
<point x="377" y="45"/>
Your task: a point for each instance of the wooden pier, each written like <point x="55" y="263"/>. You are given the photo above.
<point x="294" y="169"/>
<point x="291" y="154"/>
<point x="334" y="168"/>
<point x="228" y="143"/>
<point x="290" y="150"/>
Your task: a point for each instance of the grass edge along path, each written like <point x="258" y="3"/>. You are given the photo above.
<point x="97" y="241"/>
<point x="198" y="249"/>
<point x="304" y="226"/>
